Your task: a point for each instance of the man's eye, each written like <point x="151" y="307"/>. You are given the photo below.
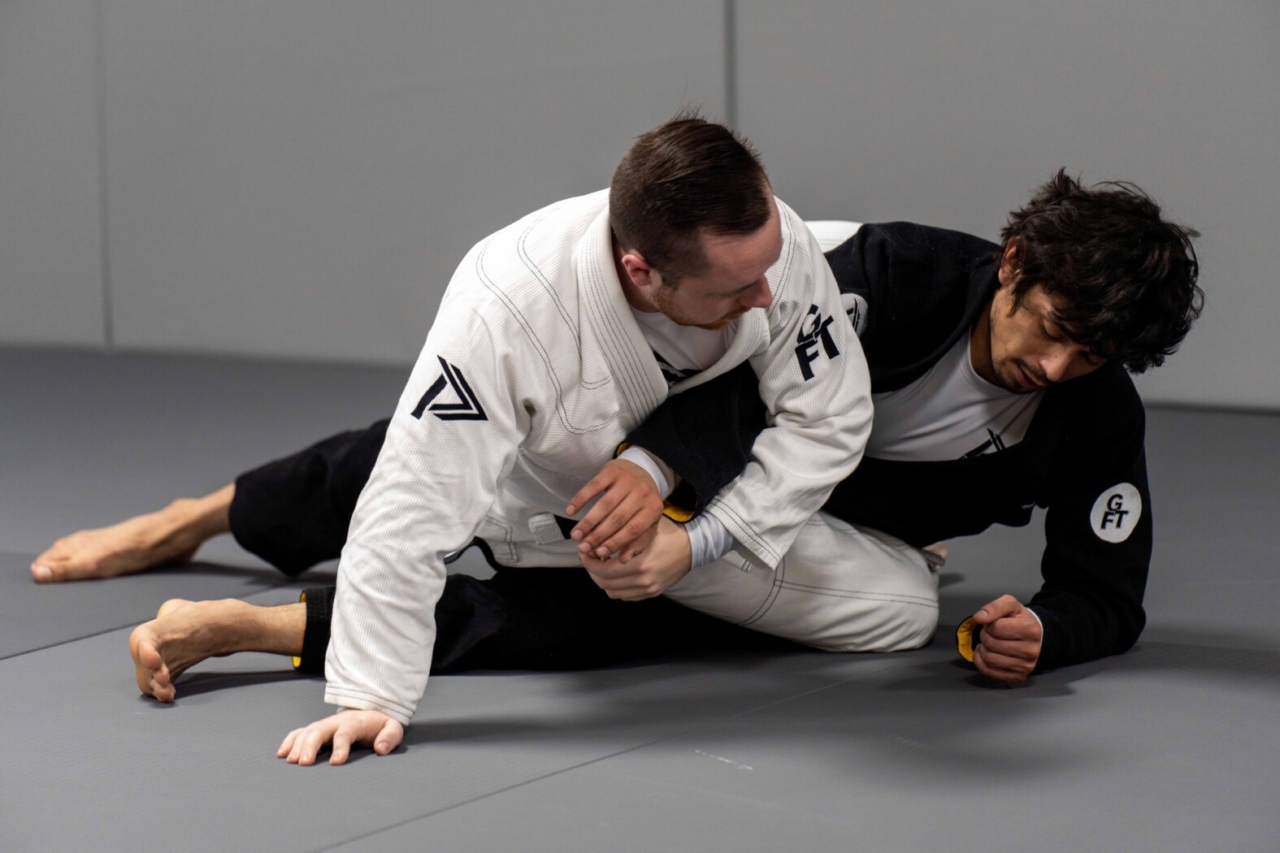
<point x="1052" y="334"/>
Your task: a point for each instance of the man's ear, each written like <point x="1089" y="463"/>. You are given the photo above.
<point x="638" y="270"/>
<point x="1011" y="263"/>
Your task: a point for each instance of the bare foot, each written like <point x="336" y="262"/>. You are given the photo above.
<point x="187" y="632"/>
<point x="170" y="536"/>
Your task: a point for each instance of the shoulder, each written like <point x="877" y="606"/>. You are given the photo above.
<point x="540" y="245"/>
<point x="1104" y="417"/>
<point x="906" y="253"/>
<point x="532" y="262"/>
<point x="1104" y="400"/>
<point x="792" y="277"/>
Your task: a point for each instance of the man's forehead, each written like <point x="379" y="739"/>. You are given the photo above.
<point x="1056" y="308"/>
<point x="1048" y="305"/>
<point x="734" y="260"/>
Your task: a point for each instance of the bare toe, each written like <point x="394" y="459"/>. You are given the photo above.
<point x="135" y="545"/>
<point x="147" y="661"/>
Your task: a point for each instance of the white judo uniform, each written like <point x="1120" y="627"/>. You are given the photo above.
<point x="532" y="374"/>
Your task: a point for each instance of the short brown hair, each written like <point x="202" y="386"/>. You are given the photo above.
<point x="683" y="177"/>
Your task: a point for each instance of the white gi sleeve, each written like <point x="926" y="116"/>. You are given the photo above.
<point x="452" y="440"/>
<point x="817" y="389"/>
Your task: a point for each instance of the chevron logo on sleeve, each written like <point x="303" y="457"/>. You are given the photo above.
<point x="468" y="409"/>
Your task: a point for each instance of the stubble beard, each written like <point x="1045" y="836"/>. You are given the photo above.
<point x="1006" y="370"/>
<point x="664" y="301"/>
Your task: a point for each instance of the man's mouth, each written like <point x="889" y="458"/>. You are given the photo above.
<point x="1027" y="381"/>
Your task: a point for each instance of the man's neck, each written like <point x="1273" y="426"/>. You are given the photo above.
<point x="980" y="346"/>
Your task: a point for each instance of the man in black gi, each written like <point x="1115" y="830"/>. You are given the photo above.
<point x="999" y="375"/>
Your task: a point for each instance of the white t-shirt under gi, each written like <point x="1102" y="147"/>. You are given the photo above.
<point x="949" y="413"/>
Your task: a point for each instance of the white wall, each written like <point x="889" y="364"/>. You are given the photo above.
<point x="298" y="178"/>
<point x="950" y="111"/>
<point x="51" y="286"/>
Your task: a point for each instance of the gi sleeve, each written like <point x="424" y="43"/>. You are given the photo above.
<point x="705" y="436"/>
<point x="453" y="438"/>
<point x="1098" y="532"/>
<point x="815" y="387"/>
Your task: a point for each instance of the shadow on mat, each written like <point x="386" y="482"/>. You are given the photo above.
<point x="197" y="683"/>
<point x="268" y="577"/>
<point x="905" y="716"/>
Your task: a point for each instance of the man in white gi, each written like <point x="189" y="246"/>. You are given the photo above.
<point x="536" y="368"/>
<point x="542" y="358"/>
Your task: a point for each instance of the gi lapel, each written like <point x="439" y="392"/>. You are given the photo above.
<point x="613" y="329"/>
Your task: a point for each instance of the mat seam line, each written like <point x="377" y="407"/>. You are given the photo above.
<point x="116" y="628"/>
<point x="478" y="798"/>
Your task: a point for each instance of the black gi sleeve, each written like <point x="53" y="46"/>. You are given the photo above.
<point x="1098" y="529"/>
<point x="705" y="434"/>
<point x="923" y="287"/>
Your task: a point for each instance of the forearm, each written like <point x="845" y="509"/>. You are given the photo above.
<point x="816" y="388"/>
<point x="1079" y="629"/>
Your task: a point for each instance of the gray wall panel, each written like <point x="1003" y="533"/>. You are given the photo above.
<point x="50" y="248"/>
<point x="949" y="111"/>
<point x="300" y="178"/>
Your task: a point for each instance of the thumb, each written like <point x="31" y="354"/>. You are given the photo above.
<point x="1005" y="605"/>
<point x="388" y="738"/>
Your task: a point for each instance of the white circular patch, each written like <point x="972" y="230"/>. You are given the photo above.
<point x="1116" y="512"/>
<point x="855" y="306"/>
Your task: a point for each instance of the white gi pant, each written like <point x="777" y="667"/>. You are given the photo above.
<point x="840" y="588"/>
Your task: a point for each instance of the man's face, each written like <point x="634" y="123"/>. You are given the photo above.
<point x="1028" y="350"/>
<point x="732" y="282"/>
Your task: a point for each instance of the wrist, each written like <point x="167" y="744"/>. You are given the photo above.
<point x="663" y="477"/>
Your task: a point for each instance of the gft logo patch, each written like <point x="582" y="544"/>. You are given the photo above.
<point x="855" y="308"/>
<point x="814" y="340"/>
<point x="1116" y="512"/>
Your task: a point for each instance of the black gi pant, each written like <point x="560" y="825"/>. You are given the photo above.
<point x="295" y="512"/>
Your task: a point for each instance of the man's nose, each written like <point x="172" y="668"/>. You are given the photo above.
<point x="759" y="295"/>
<point x="1055" y="365"/>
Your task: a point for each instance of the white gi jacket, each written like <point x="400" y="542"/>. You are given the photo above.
<point x="532" y="374"/>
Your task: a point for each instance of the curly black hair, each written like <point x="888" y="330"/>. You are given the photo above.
<point x="1127" y="276"/>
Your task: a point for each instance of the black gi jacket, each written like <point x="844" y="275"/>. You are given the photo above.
<point x="924" y="288"/>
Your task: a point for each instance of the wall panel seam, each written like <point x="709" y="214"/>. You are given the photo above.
<point x="731" y="63"/>
<point x="104" y="245"/>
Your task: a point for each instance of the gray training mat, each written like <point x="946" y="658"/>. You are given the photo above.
<point x="1150" y="752"/>
<point x="209" y="758"/>
<point x="1173" y="746"/>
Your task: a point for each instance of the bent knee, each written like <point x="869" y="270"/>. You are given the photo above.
<point x="895" y="627"/>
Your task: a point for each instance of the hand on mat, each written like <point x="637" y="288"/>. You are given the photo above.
<point x="622" y="521"/>
<point x="1010" y="642"/>
<point x="663" y="562"/>
<point x="344" y="729"/>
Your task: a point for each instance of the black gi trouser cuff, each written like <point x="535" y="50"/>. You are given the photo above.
<point x="315" y="641"/>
